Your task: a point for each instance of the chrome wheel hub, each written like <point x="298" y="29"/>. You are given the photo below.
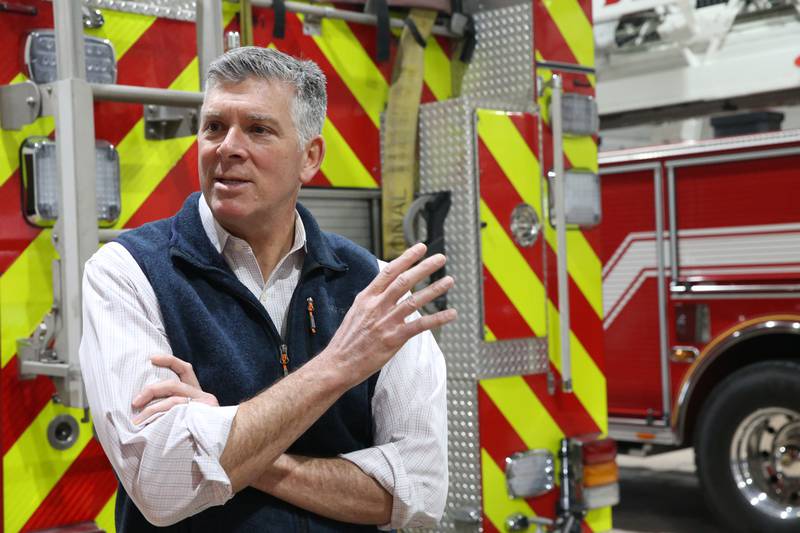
<point x="765" y="461"/>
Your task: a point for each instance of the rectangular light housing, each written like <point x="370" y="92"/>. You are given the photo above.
<point x="581" y="198"/>
<point x="41" y="184"/>
<point x="579" y="114"/>
<point x="40" y="58"/>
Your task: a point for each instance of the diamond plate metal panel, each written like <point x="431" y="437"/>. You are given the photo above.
<point x="500" y="75"/>
<point x="448" y="162"/>
<point x="173" y="9"/>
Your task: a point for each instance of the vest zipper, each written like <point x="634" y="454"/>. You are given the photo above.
<point x="285" y="359"/>
<point x="312" y="322"/>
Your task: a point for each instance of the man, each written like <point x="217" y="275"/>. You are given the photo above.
<point x="242" y="301"/>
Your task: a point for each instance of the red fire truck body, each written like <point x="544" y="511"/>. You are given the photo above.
<point x="701" y="291"/>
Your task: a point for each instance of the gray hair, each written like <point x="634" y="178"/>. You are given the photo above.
<point x="310" y="98"/>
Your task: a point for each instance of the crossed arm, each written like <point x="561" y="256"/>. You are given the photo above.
<point x="266" y="425"/>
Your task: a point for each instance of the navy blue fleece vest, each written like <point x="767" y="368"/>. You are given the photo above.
<point x="215" y="323"/>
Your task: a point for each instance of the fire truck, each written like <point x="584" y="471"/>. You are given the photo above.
<point x="99" y="103"/>
<point x="699" y="246"/>
<point x="701" y="297"/>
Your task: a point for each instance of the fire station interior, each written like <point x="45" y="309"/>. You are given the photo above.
<point x="615" y="184"/>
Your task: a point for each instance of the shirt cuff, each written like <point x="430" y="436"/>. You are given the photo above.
<point x="384" y="464"/>
<point x="210" y="427"/>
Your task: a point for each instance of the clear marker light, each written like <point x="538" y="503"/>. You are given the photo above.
<point x="40" y="182"/>
<point x="40" y="58"/>
<point x="582" y="201"/>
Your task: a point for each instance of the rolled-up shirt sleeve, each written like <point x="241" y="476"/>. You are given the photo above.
<point x="409" y="458"/>
<point x="169" y="465"/>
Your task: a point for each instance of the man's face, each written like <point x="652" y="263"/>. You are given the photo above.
<point x="250" y="162"/>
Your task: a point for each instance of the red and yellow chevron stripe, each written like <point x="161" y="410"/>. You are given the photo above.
<point x="517" y="413"/>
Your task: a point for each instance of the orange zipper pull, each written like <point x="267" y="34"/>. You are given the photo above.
<point x="285" y="359"/>
<point x="311" y="320"/>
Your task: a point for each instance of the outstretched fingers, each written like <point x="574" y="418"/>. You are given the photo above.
<point x="406" y="281"/>
<point x="395" y="268"/>
<point x="419" y="299"/>
<point x="429" y="322"/>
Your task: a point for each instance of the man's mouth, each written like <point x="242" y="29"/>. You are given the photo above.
<point x="230" y="181"/>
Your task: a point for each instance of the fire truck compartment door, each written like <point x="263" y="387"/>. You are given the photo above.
<point x="511" y="219"/>
<point x="633" y="290"/>
<point x="734" y="219"/>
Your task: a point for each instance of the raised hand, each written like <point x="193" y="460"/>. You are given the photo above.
<point x="375" y="328"/>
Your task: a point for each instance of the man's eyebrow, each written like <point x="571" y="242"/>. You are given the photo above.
<point x="258" y="117"/>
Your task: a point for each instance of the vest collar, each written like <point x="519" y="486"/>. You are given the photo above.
<point x="189" y="240"/>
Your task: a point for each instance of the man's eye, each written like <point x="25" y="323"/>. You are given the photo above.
<point x="212" y="127"/>
<point x="260" y="130"/>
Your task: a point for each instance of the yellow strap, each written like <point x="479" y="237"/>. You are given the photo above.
<point x="246" y="23"/>
<point x="400" y="132"/>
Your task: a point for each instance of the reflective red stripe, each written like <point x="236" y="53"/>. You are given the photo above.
<point x="20" y="402"/>
<point x="80" y="494"/>
<point x="168" y="196"/>
<point x="15" y="233"/>
<point x="566" y="409"/>
<point x="15" y="30"/>
<point x="502" y="316"/>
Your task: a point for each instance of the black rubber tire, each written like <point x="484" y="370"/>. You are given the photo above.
<point x="761" y="385"/>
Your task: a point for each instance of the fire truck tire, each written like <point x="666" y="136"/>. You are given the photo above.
<point x="747" y="448"/>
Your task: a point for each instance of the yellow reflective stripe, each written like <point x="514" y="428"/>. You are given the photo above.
<point x="523" y="410"/>
<point x="229" y="10"/>
<point x="26" y="293"/>
<point x="354" y="66"/>
<point x="588" y="381"/>
<point x="31" y="467"/>
<point x="581" y="152"/>
<point x="122" y="29"/>
<point x="437" y="70"/>
<point x="574" y="27"/>
<point x="585" y="268"/>
<point x="497" y="506"/>
<point x="144" y="163"/>
<point x="599" y="519"/>
<point x="105" y="519"/>
<point x="341" y="165"/>
<point x="488" y="334"/>
<point x="512" y="154"/>
<point x="509" y="268"/>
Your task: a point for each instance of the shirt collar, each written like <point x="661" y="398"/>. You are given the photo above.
<point x="219" y="236"/>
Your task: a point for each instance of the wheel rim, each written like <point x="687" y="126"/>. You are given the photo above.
<point x="765" y="461"/>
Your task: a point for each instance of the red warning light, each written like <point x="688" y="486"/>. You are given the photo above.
<point x="797" y="61"/>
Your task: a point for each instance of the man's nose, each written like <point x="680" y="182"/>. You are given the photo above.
<point x="233" y="145"/>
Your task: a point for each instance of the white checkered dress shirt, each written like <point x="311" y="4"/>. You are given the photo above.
<point x="170" y="466"/>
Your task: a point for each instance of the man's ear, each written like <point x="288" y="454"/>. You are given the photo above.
<point x="314" y="153"/>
